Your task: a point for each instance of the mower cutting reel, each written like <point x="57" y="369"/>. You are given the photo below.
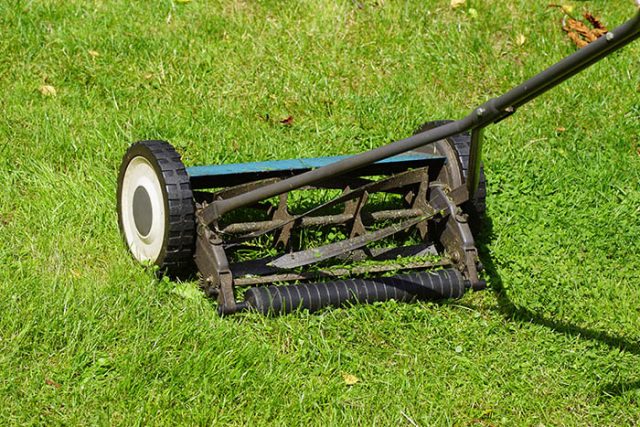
<point x="408" y="207"/>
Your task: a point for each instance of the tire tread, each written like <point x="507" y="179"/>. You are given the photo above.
<point x="461" y="143"/>
<point x="176" y="258"/>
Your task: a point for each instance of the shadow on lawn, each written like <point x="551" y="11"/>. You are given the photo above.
<point x="512" y="311"/>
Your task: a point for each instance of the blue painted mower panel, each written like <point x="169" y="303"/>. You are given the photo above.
<point x="226" y="174"/>
<point x="290" y="165"/>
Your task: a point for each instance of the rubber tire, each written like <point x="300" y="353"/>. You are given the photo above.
<point x="178" y="246"/>
<point x="461" y="144"/>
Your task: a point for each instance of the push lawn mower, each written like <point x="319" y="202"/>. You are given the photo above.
<point x="411" y="207"/>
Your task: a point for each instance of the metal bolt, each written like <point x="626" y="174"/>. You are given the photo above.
<point x="462" y="218"/>
<point x="610" y="36"/>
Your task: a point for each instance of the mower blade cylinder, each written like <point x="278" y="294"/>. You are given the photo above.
<point x="433" y="285"/>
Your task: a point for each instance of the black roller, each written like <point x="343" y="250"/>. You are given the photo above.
<point x="314" y="296"/>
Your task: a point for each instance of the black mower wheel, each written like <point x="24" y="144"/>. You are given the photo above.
<point x="156" y="212"/>
<point x="458" y="147"/>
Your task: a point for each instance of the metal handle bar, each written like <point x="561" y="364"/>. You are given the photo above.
<point x="491" y="111"/>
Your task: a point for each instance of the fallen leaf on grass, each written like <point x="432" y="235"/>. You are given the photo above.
<point x="48" y="90"/>
<point x="580" y="28"/>
<point x="580" y="33"/>
<point x="52" y="383"/>
<point x="288" y="121"/>
<point x="93" y="53"/>
<point x="566" y="8"/>
<point x="521" y="39"/>
<point x="575" y="38"/>
<point x="560" y="129"/>
<point x="350" y="379"/>
<point x="594" y="21"/>
<point x="457" y="3"/>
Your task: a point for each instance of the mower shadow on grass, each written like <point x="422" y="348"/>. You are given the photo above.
<point x="512" y="311"/>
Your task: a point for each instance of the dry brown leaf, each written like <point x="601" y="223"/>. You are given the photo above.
<point x="288" y="121"/>
<point x="561" y="129"/>
<point x="591" y="37"/>
<point x="576" y="39"/>
<point x="350" y="379"/>
<point x="594" y="21"/>
<point x="457" y="3"/>
<point x="597" y="33"/>
<point x="577" y="26"/>
<point x="580" y="33"/>
<point x="52" y="383"/>
<point x="521" y="39"/>
<point x="48" y="90"/>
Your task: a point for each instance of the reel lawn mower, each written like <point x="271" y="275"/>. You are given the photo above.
<point x="411" y="207"/>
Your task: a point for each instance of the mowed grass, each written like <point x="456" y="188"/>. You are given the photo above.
<point x="88" y="337"/>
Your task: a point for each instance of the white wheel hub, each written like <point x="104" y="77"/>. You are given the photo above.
<point x="142" y="210"/>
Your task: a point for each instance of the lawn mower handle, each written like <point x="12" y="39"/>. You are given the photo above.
<point x="492" y="111"/>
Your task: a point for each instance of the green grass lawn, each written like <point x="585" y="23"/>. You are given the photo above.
<point x="89" y="337"/>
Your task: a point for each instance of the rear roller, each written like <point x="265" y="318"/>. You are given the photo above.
<point x="435" y="285"/>
<point x="155" y="207"/>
